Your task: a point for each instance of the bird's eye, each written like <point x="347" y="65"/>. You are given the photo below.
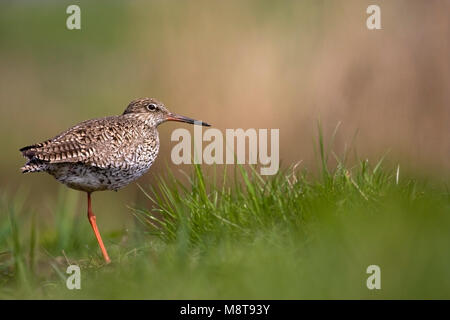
<point x="151" y="107"/>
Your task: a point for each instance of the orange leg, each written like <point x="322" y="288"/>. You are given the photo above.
<point x="92" y="219"/>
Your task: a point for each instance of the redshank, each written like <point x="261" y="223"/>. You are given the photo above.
<point x="104" y="154"/>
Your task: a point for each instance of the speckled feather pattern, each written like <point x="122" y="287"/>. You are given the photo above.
<point x="99" y="154"/>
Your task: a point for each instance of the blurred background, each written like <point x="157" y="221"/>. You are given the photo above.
<point x="235" y="64"/>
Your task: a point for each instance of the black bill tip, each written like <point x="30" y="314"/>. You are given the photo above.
<point x="176" y="117"/>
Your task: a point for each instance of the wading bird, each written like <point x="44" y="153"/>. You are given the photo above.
<point x="104" y="154"/>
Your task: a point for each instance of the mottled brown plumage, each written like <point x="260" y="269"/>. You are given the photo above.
<point x="106" y="153"/>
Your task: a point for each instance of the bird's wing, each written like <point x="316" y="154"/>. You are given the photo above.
<point x="81" y="143"/>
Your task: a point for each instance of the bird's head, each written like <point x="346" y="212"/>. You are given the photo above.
<point x="155" y="113"/>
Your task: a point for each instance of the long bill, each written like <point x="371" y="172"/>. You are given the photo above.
<point x="176" y="117"/>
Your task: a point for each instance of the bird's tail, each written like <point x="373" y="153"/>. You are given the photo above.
<point x="31" y="166"/>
